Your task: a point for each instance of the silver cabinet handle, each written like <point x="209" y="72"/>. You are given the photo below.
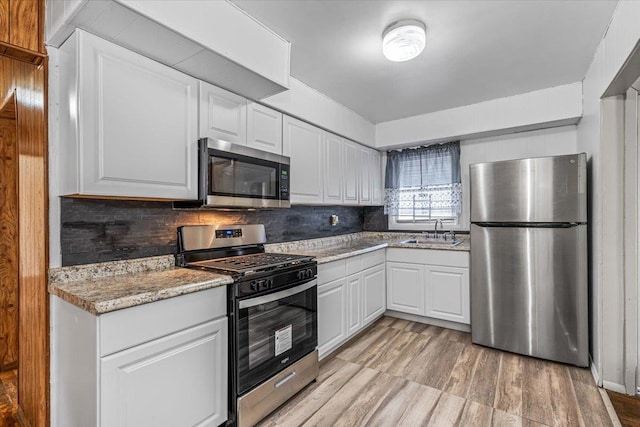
<point x="285" y="379"/>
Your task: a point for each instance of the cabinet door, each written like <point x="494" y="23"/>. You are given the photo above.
<point x="351" y="172"/>
<point x="180" y="379"/>
<point x="365" y="175"/>
<point x="405" y="287"/>
<point x="137" y="124"/>
<point x="376" y="178"/>
<point x="303" y="143"/>
<point x="332" y="315"/>
<point x="264" y="128"/>
<point x="223" y="115"/>
<point x="447" y="293"/>
<point x="373" y="293"/>
<point x="332" y="169"/>
<point x="355" y="317"/>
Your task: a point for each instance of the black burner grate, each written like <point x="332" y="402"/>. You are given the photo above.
<point x="255" y="262"/>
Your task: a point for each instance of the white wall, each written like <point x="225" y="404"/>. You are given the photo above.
<point x="607" y="298"/>
<point x="538" y="143"/>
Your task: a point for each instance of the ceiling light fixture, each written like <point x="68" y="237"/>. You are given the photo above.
<point x="403" y="40"/>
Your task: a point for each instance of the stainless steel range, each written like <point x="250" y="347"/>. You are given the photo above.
<point x="272" y="307"/>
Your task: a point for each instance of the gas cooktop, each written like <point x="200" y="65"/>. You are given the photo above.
<point x="244" y="264"/>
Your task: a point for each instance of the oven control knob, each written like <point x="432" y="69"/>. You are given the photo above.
<point x="253" y="286"/>
<point x="270" y="283"/>
<point x="300" y="275"/>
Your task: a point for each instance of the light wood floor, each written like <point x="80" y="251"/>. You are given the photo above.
<point x="401" y="373"/>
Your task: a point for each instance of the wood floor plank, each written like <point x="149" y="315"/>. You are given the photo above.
<point x="592" y="408"/>
<point x="476" y="414"/>
<point x="368" y="401"/>
<point x="394" y="349"/>
<point x="459" y="381"/>
<point x="384" y="321"/>
<point x="564" y="402"/>
<point x="537" y="392"/>
<point x="436" y="362"/>
<point x="353" y="351"/>
<point x="509" y="389"/>
<point x="448" y="410"/>
<point x="485" y="377"/>
<point x="399" y="324"/>
<point x="504" y="419"/>
<point x="297" y="413"/>
<point x="335" y="407"/>
<point x="416" y="327"/>
<point x="582" y="375"/>
<point x="420" y="409"/>
<point x="377" y="347"/>
<point x="408" y="357"/>
<point x="396" y="403"/>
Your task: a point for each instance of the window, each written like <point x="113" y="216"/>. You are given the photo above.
<point x="423" y="185"/>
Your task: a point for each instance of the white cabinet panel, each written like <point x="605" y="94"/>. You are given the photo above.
<point x="332" y="315"/>
<point x="188" y="370"/>
<point x="365" y="175"/>
<point x="303" y="143"/>
<point x="447" y="293"/>
<point x="354" y="288"/>
<point x="373" y="292"/>
<point x="223" y="115"/>
<point x="351" y="171"/>
<point x="129" y="128"/>
<point x="405" y="287"/>
<point x="332" y="169"/>
<point x="264" y="128"/>
<point x="377" y="186"/>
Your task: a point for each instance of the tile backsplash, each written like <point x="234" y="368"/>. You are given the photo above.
<point x="110" y="230"/>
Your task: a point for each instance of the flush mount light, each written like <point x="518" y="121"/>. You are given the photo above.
<point x="403" y="40"/>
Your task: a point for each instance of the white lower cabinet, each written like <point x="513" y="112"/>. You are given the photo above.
<point x="146" y="384"/>
<point x="429" y="283"/>
<point x="159" y="364"/>
<point x="351" y="295"/>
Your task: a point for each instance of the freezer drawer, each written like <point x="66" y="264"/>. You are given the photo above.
<point x="543" y="189"/>
<point x="529" y="291"/>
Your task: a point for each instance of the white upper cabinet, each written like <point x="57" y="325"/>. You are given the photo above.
<point x="365" y="175"/>
<point x="223" y="115"/>
<point x="351" y="172"/>
<point x="128" y="125"/>
<point x="264" y="128"/>
<point x="377" y="186"/>
<point x="303" y="143"/>
<point x="333" y="169"/>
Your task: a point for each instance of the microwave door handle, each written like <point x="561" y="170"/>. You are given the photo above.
<point x="252" y="302"/>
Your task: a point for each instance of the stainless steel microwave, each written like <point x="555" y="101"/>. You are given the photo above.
<point x="236" y="176"/>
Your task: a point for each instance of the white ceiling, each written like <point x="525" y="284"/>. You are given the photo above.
<point x="475" y="51"/>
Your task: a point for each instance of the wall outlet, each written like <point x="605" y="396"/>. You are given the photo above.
<point x="334" y="220"/>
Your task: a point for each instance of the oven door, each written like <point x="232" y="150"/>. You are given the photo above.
<point x="238" y="176"/>
<point x="274" y="331"/>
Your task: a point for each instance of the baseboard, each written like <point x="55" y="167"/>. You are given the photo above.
<point x="429" y="321"/>
<point x="618" y="388"/>
<point x="595" y="373"/>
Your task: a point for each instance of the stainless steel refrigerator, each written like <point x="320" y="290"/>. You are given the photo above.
<point x="529" y="290"/>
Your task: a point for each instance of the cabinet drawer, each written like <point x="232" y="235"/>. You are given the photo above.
<point x="136" y="325"/>
<point x="354" y="265"/>
<point x="331" y="271"/>
<point x="373" y="259"/>
<point x="429" y="256"/>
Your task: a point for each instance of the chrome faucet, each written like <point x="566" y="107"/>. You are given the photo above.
<point x="435" y="228"/>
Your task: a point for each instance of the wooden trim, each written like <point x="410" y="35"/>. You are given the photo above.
<point x="21" y="54"/>
<point x="21" y="418"/>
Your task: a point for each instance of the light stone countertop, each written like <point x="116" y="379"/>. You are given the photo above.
<point x="109" y="286"/>
<point x="330" y="249"/>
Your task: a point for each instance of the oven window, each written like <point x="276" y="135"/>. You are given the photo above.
<point x="239" y="178"/>
<point x="274" y="328"/>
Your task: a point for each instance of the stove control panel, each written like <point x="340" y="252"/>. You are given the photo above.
<point x="229" y="234"/>
<point x="260" y="284"/>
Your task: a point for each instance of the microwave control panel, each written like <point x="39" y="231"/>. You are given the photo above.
<point x="284" y="182"/>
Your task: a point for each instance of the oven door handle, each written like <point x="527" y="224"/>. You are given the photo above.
<point x="252" y="302"/>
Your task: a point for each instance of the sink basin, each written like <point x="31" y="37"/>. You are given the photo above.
<point x="433" y="242"/>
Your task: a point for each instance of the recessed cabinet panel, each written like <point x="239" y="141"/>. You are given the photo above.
<point x="354" y="288"/>
<point x="332" y="169"/>
<point x="264" y="128"/>
<point x="447" y="293"/>
<point x="373" y="292"/>
<point x="405" y="287"/>
<point x="376" y="178"/>
<point x="223" y="115"/>
<point x="131" y="125"/>
<point x="145" y="385"/>
<point x="351" y="171"/>
<point x="332" y="315"/>
<point x="303" y="143"/>
<point x="365" y="175"/>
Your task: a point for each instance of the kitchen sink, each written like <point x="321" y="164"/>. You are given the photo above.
<point x="427" y="241"/>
